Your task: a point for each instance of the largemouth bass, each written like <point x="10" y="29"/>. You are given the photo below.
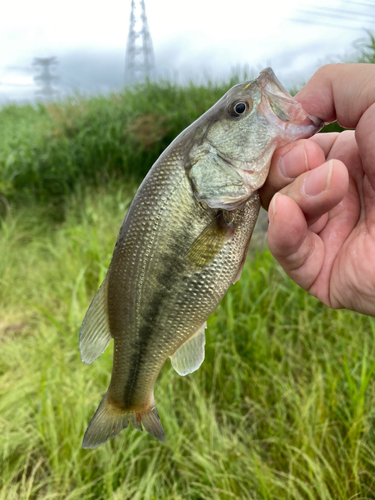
<point x="182" y="243"/>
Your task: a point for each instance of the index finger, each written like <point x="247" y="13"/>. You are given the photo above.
<point x="339" y="92"/>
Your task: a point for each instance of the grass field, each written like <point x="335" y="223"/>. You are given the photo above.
<point x="282" y="407"/>
<point x="48" y="150"/>
<point x="51" y="150"/>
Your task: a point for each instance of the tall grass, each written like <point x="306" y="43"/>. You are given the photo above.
<point x="51" y="150"/>
<point x="366" y="48"/>
<point x="47" y="151"/>
<point x="282" y="407"/>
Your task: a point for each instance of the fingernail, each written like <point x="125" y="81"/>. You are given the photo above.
<point x="272" y="208"/>
<point x="319" y="180"/>
<point x="294" y="162"/>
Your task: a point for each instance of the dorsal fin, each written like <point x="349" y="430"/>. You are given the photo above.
<point x="95" y="335"/>
<point x="190" y="355"/>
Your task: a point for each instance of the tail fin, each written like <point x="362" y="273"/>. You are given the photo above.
<point x="109" y="420"/>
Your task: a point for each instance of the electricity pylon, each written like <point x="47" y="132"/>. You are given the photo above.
<point x="139" y="59"/>
<point x="45" y="78"/>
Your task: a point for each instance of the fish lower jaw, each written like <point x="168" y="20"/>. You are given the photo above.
<point x="255" y="165"/>
<point x="255" y="172"/>
<point x="255" y="180"/>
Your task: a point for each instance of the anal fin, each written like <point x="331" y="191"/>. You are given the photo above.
<point x="95" y="335"/>
<point x="190" y="355"/>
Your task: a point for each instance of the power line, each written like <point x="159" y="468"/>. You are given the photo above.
<point x="323" y="11"/>
<point x="26" y="69"/>
<point x="363" y="4"/>
<point x="331" y="16"/>
<point x="16" y="85"/>
<point x="317" y="23"/>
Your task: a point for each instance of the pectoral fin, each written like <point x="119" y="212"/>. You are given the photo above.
<point x="190" y="355"/>
<point x="94" y="335"/>
<point x="209" y="243"/>
<point x="217" y="183"/>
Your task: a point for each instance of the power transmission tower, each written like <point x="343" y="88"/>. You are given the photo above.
<point x="45" y="78"/>
<point x="139" y="59"/>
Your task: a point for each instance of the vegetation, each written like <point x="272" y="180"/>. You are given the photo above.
<point x="51" y="150"/>
<point x="366" y="48"/>
<point x="282" y="407"/>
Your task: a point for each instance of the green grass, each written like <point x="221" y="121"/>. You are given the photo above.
<point x="282" y="407"/>
<point x="48" y="150"/>
<point x="51" y="150"/>
<point x="366" y="48"/>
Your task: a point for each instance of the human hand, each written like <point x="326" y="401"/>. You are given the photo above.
<point x="322" y="217"/>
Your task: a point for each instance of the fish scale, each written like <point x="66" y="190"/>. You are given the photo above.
<point x="182" y="243"/>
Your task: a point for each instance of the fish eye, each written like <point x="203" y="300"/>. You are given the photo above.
<point x="238" y="108"/>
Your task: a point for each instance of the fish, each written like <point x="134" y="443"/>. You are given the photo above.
<point x="181" y="245"/>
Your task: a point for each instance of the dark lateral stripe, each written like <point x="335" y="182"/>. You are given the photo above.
<point x="173" y="265"/>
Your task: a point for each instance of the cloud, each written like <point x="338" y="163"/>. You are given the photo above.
<point x="187" y="56"/>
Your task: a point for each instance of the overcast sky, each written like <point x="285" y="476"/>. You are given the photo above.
<point x="192" y="39"/>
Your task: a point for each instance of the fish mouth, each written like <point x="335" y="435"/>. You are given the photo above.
<point x="269" y="82"/>
<point x="280" y="108"/>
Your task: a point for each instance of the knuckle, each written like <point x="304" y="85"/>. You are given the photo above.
<point x="327" y="69"/>
<point x="348" y="135"/>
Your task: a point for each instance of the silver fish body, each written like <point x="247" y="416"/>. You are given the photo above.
<point x="182" y="244"/>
